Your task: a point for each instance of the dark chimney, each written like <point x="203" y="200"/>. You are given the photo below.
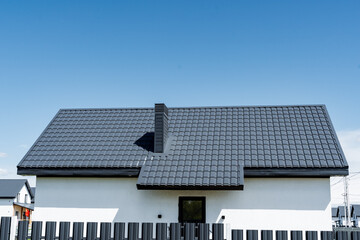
<point x="161" y="127"/>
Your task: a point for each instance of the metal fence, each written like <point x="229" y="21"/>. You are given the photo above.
<point x="163" y="231"/>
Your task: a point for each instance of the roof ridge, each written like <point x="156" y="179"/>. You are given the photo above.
<point x="196" y="107"/>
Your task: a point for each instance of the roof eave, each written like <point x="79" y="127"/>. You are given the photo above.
<point x="80" y="172"/>
<point x="295" y="172"/>
<point x="188" y="187"/>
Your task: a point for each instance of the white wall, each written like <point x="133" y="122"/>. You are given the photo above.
<point x="6" y="207"/>
<point x="265" y="203"/>
<point x="24" y="190"/>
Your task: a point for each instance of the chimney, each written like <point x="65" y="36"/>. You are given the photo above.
<point x="161" y="127"/>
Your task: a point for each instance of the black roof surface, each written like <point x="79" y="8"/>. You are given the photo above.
<point x="207" y="145"/>
<point x="9" y="188"/>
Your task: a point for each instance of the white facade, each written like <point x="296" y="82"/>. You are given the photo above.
<point x="265" y="203"/>
<point x="6" y="207"/>
<point x="24" y="196"/>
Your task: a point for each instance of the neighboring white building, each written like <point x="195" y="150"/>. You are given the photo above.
<point x="16" y="198"/>
<point x="355" y="214"/>
<point x="264" y="167"/>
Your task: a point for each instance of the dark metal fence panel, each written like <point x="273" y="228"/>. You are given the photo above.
<point x="355" y="235"/>
<point x="341" y="235"/>
<point x="203" y="231"/>
<point x="78" y="231"/>
<point x="237" y="234"/>
<point x="36" y="229"/>
<point x="105" y="231"/>
<point x="296" y="235"/>
<point x="281" y="235"/>
<point x="5" y="228"/>
<point x="189" y="231"/>
<point x="175" y="231"/>
<point x="64" y="230"/>
<point x="50" y="230"/>
<point x="23" y="230"/>
<point x="251" y="234"/>
<point x="266" y="235"/>
<point x="147" y="231"/>
<point x="119" y="231"/>
<point x="218" y="231"/>
<point x="133" y="231"/>
<point x="311" y="235"/>
<point x="327" y="235"/>
<point x="161" y="231"/>
<point x="91" y="231"/>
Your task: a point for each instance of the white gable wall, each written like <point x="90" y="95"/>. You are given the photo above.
<point x="23" y="192"/>
<point x="265" y="203"/>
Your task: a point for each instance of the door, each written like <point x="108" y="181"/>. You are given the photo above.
<point x="192" y="209"/>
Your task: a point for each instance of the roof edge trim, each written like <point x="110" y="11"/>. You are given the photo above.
<point x="188" y="187"/>
<point x="78" y="172"/>
<point x="295" y="172"/>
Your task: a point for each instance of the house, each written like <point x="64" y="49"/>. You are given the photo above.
<point x="355" y="214"/>
<point x="250" y="167"/>
<point x="15" y="198"/>
<point x="334" y="217"/>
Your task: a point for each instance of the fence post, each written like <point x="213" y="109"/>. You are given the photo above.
<point x="281" y="235"/>
<point x="251" y="234"/>
<point x="311" y="235"/>
<point x="296" y="235"/>
<point x="91" y="231"/>
<point x="326" y="235"/>
<point x="175" y="231"/>
<point x="161" y="231"/>
<point x="105" y="231"/>
<point x="133" y="231"/>
<point x="147" y="231"/>
<point x="237" y="234"/>
<point x="5" y="226"/>
<point x="203" y="231"/>
<point x="266" y="235"/>
<point x="78" y="231"/>
<point x="50" y="230"/>
<point x="64" y="231"/>
<point x="36" y="230"/>
<point x="355" y="235"/>
<point x="23" y="229"/>
<point x="119" y="231"/>
<point x="341" y="235"/>
<point x="218" y="231"/>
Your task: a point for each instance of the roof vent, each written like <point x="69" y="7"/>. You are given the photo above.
<point x="161" y="127"/>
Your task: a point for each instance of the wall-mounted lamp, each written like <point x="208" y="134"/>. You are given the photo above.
<point x="159" y="216"/>
<point x="223" y="217"/>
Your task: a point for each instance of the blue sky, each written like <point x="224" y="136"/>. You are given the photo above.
<point x="66" y="54"/>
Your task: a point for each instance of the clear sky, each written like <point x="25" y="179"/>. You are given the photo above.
<point x="70" y="54"/>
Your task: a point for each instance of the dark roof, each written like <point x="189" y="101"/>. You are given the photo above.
<point x="9" y="188"/>
<point x="207" y="145"/>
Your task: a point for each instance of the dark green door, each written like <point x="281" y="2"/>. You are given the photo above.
<point x="192" y="209"/>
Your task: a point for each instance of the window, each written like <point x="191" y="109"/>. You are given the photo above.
<point x="26" y="198"/>
<point x="192" y="209"/>
<point x="18" y="197"/>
